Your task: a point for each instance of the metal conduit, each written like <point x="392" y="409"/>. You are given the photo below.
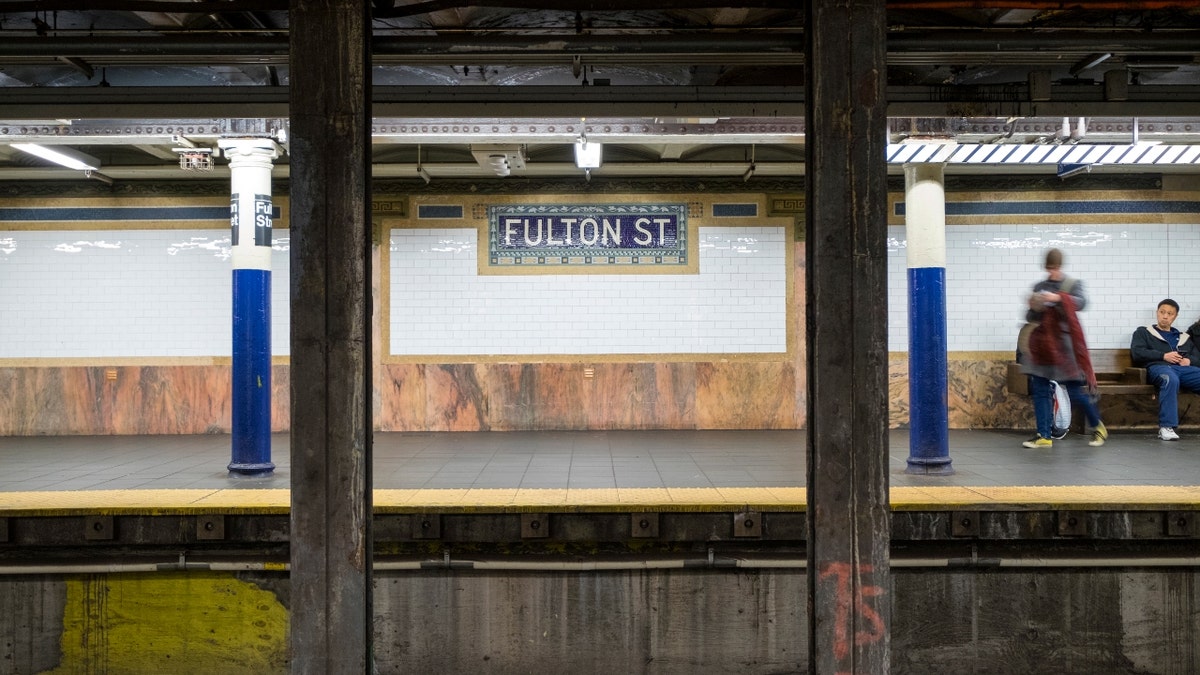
<point x="208" y="49"/>
<point x="711" y="562"/>
<point x="595" y="6"/>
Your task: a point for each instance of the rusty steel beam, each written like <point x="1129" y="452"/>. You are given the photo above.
<point x="849" y="527"/>
<point x="331" y="617"/>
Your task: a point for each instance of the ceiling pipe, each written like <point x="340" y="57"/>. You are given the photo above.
<point x="168" y="7"/>
<point x="439" y="171"/>
<point x="1042" y="5"/>
<point x="563" y="170"/>
<point x="387" y="9"/>
<point x="512" y="564"/>
<point x="1049" y="41"/>
<point x="204" y="49"/>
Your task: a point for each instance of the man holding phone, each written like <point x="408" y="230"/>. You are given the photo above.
<point x="1169" y="355"/>
<point x="1052" y="348"/>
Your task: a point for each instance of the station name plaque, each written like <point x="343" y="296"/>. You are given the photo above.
<point x="590" y="235"/>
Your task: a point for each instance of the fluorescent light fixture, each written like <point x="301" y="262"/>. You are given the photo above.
<point x="61" y="155"/>
<point x="588" y="155"/>
<point x="107" y="180"/>
<point x="1089" y="61"/>
<point x="421" y="168"/>
<point x="1067" y="170"/>
<point x="750" y="169"/>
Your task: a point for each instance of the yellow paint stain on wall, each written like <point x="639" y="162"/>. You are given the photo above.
<point x="168" y="623"/>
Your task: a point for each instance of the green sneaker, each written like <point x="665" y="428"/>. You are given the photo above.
<point x="1099" y="435"/>
<point x="1039" y="442"/>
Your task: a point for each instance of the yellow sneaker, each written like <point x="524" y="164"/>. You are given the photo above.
<point x="1039" y="442"/>
<point x="1099" y="435"/>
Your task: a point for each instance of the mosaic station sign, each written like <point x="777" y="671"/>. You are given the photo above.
<point x="547" y="235"/>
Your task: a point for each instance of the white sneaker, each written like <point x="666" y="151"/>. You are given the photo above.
<point x="1167" y="434"/>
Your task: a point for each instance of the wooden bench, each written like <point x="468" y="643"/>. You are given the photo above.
<point x="1114" y="370"/>
<point x="1115" y="376"/>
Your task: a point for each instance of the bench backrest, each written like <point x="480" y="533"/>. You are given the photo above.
<point x="1114" y="373"/>
<point x="1110" y="360"/>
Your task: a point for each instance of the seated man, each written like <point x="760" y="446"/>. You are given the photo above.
<point x="1168" y="355"/>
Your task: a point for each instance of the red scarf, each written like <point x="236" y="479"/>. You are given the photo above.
<point x="1045" y="348"/>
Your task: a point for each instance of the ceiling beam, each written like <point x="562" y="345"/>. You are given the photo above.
<point x="781" y="47"/>
<point x="472" y="102"/>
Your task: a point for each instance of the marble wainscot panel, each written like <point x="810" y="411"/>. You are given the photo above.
<point x="601" y="395"/>
<point x="592" y="396"/>
<point x="634" y="395"/>
<point x="401" y="393"/>
<point x="456" y="397"/>
<point x="749" y="395"/>
<point x="977" y="396"/>
<point x="74" y="400"/>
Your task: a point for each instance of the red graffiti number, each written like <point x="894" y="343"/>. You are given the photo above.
<point x="855" y="599"/>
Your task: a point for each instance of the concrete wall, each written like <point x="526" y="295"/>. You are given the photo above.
<point x="1031" y="621"/>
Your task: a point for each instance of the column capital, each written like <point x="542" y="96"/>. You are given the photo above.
<point x="924" y="171"/>
<point x="250" y="147"/>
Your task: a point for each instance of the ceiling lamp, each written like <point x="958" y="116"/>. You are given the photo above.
<point x="61" y="155"/>
<point x="501" y="160"/>
<point x="421" y="168"/>
<point x="499" y="164"/>
<point x="588" y="155"/>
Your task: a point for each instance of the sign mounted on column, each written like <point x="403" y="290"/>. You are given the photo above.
<point x="263" y="212"/>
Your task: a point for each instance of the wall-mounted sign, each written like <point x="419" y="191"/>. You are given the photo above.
<point x="262" y="219"/>
<point x="587" y="234"/>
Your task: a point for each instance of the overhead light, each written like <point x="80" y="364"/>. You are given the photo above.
<point x="61" y="155"/>
<point x="1067" y="170"/>
<point x="107" y="180"/>
<point x="421" y="168"/>
<point x="501" y="160"/>
<point x="499" y="164"/>
<point x="750" y="169"/>
<point x="1090" y="61"/>
<point x="588" y="155"/>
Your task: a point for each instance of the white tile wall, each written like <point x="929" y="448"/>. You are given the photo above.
<point x="1125" y="269"/>
<point x="159" y="293"/>
<point x="441" y="305"/>
<point x="127" y="293"/>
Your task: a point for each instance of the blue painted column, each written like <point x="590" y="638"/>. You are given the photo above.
<point x="250" y="163"/>
<point x="925" y="230"/>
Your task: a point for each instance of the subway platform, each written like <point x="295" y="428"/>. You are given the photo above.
<point x="603" y="469"/>
<point x="740" y="492"/>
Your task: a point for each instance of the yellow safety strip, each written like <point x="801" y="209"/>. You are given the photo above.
<point x="511" y="500"/>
